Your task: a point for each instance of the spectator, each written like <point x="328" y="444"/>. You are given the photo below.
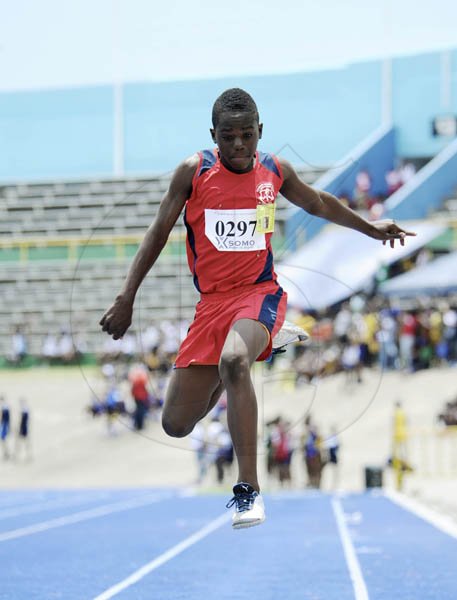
<point x="407" y="338"/>
<point x="450" y="332"/>
<point x="49" y="348"/>
<point x="350" y="360"/>
<point x="138" y="378"/>
<point x="23" y="433"/>
<point x="18" y="347"/>
<point x="312" y="451"/>
<point x="406" y="172"/>
<point x="332" y="447"/>
<point x="386" y="338"/>
<point x="393" y="180"/>
<point x="362" y="190"/>
<point x="342" y="323"/>
<point x="220" y="446"/>
<point x="5" y="424"/>
<point x="65" y="349"/>
<point x="224" y="454"/>
<point x="198" y="445"/>
<point x="282" y="450"/>
<point x="150" y="340"/>
<point x="128" y="346"/>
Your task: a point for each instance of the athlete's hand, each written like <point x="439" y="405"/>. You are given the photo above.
<point x="118" y="318"/>
<point x="388" y="231"/>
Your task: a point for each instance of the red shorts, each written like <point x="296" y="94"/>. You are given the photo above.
<point x="217" y="312"/>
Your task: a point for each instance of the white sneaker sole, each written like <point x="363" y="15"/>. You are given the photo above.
<point x="289" y="334"/>
<point x="246" y="524"/>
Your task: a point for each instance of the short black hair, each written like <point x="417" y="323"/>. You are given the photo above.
<point x="234" y="99"/>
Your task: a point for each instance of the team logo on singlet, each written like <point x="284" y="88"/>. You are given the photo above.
<point x="265" y="193"/>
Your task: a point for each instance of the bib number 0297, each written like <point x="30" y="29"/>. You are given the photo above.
<point x="232" y="229"/>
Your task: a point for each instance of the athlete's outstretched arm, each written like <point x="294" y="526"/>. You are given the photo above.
<point x="118" y="318"/>
<point x="325" y="205"/>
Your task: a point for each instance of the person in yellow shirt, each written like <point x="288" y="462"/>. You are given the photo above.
<point x="399" y="450"/>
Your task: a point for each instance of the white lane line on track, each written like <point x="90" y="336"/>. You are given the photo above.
<point x="443" y="523"/>
<point x="50" y="505"/>
<point x="85" y="515"/>
<point x="163" y="558"/>
<point x="355" y="572"/>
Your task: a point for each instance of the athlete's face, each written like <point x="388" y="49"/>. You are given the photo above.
<point x="237" y="135"/>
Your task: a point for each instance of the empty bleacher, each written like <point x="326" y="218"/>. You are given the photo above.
<point x="83" y="208"/>
<point x="65" y="248"/>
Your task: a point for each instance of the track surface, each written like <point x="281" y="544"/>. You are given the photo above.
<point x="167" y="544"/>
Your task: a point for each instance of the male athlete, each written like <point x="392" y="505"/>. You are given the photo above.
<point x="229" y="195"/>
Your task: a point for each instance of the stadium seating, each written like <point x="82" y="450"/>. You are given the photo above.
<point x="65" y="248"/>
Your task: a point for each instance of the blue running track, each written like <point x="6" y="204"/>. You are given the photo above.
<point x="163" y="544"/>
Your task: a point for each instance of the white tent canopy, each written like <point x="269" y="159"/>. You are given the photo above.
<point x="340" y="262"/>
<point x="438" y="277"/>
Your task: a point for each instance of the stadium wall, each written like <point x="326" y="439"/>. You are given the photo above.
<point x="311" y="118"/>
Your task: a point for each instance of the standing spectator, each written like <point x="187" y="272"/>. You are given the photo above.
<point x="198" y="445"/>
<point x="282" y="451"/>
<point x="386" y="337"/>
<point x="269" y="435"/>
<point x="407" y="338"/>
<point x="220" y="446"/>
<point x="112" y="403"/>
<point x="350" y="360"/>
<point x="138" y="380"/>
<point x="313" y="457"/>
<point x="450" y="332"/>
<point x="23" y="439"/>
<point x="399" y="440"/>
<point x="4" y="426"/>
<point x="332" y="447"/>
<point x="224" y="454"/>
<point x="342" y="323"/>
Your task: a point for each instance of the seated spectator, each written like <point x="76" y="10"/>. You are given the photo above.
<point x="65" y="349"/>
<point x="407" y="172"/>
<point x="49" y="348"/>
<point x="18" y="347"/>
<point x="362" y="190"/>
<point x="393" y="180"/>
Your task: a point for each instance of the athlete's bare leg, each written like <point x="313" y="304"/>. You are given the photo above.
<point x="194" y="391"/>
<point x="245" y="342"/>
<point x="191" y="394"/>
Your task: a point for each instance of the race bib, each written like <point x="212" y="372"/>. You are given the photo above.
<point x="265" y="214"/>
<point x="233" y="230"/>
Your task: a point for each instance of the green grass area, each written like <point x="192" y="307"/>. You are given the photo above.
<point x="31" y="362"/>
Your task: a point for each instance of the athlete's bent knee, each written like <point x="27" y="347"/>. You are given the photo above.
<point x="175" y="429"/>
<point x="233" y="366"/>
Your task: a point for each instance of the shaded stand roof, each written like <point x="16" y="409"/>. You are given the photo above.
<point x="340" y="262"/>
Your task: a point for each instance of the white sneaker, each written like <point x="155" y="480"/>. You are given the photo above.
<point x="249" y="507"/>
<point x="288" y="334"/>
